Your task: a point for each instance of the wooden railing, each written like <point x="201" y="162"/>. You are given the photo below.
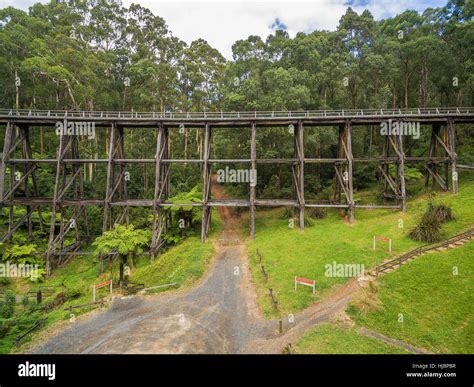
<point x="440" y="111"/>
<point x="422" y="250"/>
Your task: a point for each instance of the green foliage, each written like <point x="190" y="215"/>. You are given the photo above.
<point x="440" y="212"/>
<point x="428" y="230"/>
<point x="411" y="173"/>
<point x="7" y="306"/>
<point x="308" y="221"/>
<point x="183" y="218"/>
<point x="122" y="239"/>
<point x="21" y="254"/>
<point x="317" y="213"/>
<point x="429" y="227"/>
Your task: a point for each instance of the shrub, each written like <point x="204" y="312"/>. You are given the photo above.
<point x="308" y="222"/>
<point x="367" y="299"/>
<point x="8" y="306"/>
<point x="317" y="213"/>
<point x="441" y="212"/>
<point x="428" y="230"/>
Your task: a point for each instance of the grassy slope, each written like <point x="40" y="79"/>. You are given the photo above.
<point x="289" y="252"/>
<point x="437" y="306"/>
<point x="331" y="339"/>
<point x="184" y="264"/>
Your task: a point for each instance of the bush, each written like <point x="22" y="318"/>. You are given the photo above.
<point x="367" y="299"/>
<point x="286" y="214"/>
<point x="428" y="230"/>
<point x="317" y="213"/>
<point x="442" y="213"/>
<point x="308" y="222"/>
<point x="8" y="306"/>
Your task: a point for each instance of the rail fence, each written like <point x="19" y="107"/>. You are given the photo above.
<point x="422" y="250"/>
<point x="265" y="275"/>
<point x="35" y="326"/>
<point x="237" y="115"/>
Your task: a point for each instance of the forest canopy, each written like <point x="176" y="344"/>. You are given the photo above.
<point x="100" y="55"/>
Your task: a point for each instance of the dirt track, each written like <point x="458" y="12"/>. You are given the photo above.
<point x="220" y="315"/>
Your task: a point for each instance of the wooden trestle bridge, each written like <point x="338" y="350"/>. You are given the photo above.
<point x="19" y="127"/>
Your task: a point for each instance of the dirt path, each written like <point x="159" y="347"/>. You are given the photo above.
<point x="220" y="315"/>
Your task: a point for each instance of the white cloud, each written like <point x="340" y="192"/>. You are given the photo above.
<point x="223" y="22"/>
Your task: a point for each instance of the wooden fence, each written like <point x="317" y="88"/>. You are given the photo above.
<point x="422" y="250"/>
<point x="265" y="274"/>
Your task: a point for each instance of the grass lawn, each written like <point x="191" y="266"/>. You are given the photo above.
<point x="290" y="252"/>
<point x="437" y="306"/>
<point x="331" y="339"/>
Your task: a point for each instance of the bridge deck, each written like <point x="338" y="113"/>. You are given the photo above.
<point x="229" y="119"/>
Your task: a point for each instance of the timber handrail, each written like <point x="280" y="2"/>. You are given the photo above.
<point x="423" y="249"/>
<point x="76" y="114"/>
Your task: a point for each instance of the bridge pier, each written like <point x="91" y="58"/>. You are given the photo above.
<point x="393" y="185"/>
<point x="161" y="193"/>
<point x="253" y="186"/>
<point x="344" y="168"/>
<point x="206" y="179"/>
<point x="68" y="145"/>
<point x="442" y="150"/>
<point x="18" y="137"/>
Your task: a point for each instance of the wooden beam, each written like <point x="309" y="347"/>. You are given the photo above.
<point x="253" y="188"/>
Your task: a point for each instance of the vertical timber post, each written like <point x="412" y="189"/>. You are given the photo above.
<point x="300" y="172"/>
<point x="5" y="156"/>
<point x="54" y="206"/>
<point x="452" y="146"/>
<point x="401" y="172"/>
<point x="432" y="154"/>
<point x="159" y="185"/>
<point x="350" y="160"/>
<point x="110" y="172"/>
<point x="206" y="176"/>
<point x="253" y="188"/>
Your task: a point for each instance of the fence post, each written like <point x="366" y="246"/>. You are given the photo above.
<point x="39" y="296"/>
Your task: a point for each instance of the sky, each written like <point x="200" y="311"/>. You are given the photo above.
<point x="222" y="22"/>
